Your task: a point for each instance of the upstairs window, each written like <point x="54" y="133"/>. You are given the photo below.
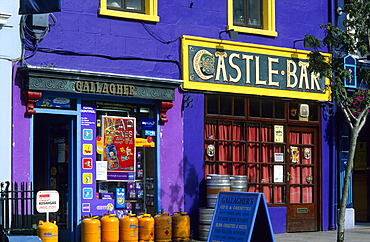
<point x="145" y="10"/>
<point x="248" y="13"/>
<point x="252" y="16"/>
<point x="127" y="5"/>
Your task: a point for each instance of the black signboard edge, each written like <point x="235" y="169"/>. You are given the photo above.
<point x="254" y="194"/>
<point x="264" y="217"/>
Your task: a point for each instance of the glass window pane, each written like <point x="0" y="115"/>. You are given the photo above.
<point x="254" y="106"/>
<point x="238" y="151"/>
<point x="212" y="105"/>
<point x="238" y="131"/>
<point x="267" y="190"/>
<point x="240" y="169"/>
<point x="280" y="110"/>
<point x="307" y="194"/>
<point x="253" y="132"/>
<point x="253" y="174"/>
<point x="115" y="3"/>
<point x="295" y="194"/>
<point x="134" y="5"/>
<point x="279" y="196"/>
<point x="239" y="11"/>
<point x="267" y="109"/>
<point x="210" y="131"/>
<point x="239" y="107"/>
<point x="266" y="176"/>
<point x="254" y="13"/>
<point x="314" y="116"/>
<point x="225" y="105"/>
<point x="293" y="111"/>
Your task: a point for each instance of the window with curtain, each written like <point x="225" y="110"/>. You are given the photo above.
<point x="248" y="13"/>
<point x="240" y="140"/>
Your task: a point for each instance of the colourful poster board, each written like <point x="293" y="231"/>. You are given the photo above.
<point x="119" y="146"/>
<point x="240" y="216"/>
<point x="88" y="157"/>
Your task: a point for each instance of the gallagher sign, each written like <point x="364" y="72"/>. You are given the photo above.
<point x="235" y="67"/>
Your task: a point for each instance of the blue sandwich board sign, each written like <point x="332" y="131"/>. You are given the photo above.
<point x="240" y="216"/>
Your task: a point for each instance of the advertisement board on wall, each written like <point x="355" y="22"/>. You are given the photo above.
<point x="119" y="146"/>
<point x="243" y="68"/>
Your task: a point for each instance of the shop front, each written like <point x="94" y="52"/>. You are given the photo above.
<point x="262" y="118"/>
<point x="94" y="138"/>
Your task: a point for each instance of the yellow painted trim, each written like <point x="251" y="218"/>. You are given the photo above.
<point x="150" y="15"/>
<point x="268" y="20"/>
<point x="245" y="47"/>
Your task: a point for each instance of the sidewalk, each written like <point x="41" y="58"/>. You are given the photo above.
<point x="360" y="233"/>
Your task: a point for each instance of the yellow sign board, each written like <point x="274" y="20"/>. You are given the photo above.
<point x="236" y="67"/>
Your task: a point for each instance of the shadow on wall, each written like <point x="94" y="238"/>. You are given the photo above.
<point x="174" y="193"/>
<point x="195" y="193"/>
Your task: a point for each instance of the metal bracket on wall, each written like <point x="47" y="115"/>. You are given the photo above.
<point x="165" y="106"/>
<point x="31" y="99"/>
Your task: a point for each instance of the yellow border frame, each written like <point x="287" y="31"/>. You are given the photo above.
<point x="251" y="48"/>
<point x="151" y="12"/>
<point x="268" y="20"/>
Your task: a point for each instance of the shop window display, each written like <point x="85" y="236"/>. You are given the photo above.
<point x="126" y="142"/>
<point x="259" y="145"/>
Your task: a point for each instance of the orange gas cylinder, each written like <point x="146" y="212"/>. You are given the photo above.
<point x="91" y="229"/>
<point x="180" y="226"/>
<point x="109" y="228"/>
<point x="47" y="231"/>
<point x="163" y="227"/>
<point x="129" y="228"/>
<point x="146" y="228"/>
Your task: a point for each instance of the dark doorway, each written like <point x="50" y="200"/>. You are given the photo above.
<point x="53" y="159"/>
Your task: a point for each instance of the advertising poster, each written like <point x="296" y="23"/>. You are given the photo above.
<point x="88" y="129"/>
<point x="119" y="144"/>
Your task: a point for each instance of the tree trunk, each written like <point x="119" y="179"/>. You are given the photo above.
<point x="342" y="211"/>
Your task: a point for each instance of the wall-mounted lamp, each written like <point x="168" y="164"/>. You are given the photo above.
<point x="232" y="34"/>
<point x="339" y="11"/>
<point x="4" y="18"/>
<point x="305" y="44"/>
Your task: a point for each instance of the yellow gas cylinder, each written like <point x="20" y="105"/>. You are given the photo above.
<point x="109" y="228"/>
<point x="180" y="226"/>
<point x="91" y="229"/>
<point x="163" y="227"/>
<point x="47" y="231"/>
<point x="129" y="228"/>
<point x="146" y="228"/>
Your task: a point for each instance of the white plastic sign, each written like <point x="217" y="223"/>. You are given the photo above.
<point x="47" y="201"/>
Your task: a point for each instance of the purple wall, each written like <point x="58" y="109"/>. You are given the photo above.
<point x="20" y="135"/>
<point x="79" y="29"/>
<point x="195" y="191"/>
<point x="171" y="163"/>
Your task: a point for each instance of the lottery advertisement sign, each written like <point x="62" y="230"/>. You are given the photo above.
<point x="88" y="158"/>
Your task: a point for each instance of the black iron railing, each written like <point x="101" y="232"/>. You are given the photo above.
<point x="16" y="204"/>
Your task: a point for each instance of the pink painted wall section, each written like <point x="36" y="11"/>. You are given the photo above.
<point x="171" y="163"/>
<point x="20" y="134"/>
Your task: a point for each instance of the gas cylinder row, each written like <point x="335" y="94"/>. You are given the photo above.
<point x="143" y="228"/>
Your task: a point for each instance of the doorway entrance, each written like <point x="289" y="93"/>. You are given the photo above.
<point x="361" y="178"/>
<point x="53" y="161"/>
<point x="302" y="180"/>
